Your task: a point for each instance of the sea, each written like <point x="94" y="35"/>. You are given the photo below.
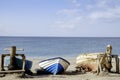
<point x="66" y="47"/>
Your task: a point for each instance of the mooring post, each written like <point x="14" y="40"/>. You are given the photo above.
<point x="23" y="59"/>
<point x="2" y="62"/>
<point x="12" y="57"/>
<point x="13" y="63"/>
<point x="13" y="66"/>
<point x="104" y="61"/>
<point x="117" y="63"/>
<point x="99" y="65"/>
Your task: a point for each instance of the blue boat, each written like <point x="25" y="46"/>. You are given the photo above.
<point x="54" y="65"/>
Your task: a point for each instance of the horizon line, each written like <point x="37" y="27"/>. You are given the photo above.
<point x="67" y="36"/>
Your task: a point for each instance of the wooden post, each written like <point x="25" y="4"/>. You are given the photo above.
<point x="12" y="58"/>
<point x="13" y="66"/>
<point x="12" y="51"/>
<point x="116" y="62"/>
<point x="99" y="65"/>
<point x="2" y="62"/>
<point x="23" y="58"/>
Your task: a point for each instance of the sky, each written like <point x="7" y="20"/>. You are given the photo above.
<point x="60" y="18"/>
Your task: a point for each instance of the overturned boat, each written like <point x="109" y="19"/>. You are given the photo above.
<point x="87" y="61"/>
<point x="55" y="65"/>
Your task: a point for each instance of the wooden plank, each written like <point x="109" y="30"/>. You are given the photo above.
<point x="12" y="71"/>
<point x="117" y="62"/>
<point x="117" y="65"/>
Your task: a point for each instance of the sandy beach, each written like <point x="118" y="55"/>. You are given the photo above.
<point x="68" y="75"/>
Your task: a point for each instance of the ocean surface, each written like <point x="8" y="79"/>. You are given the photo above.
<point x="70" y="47"/>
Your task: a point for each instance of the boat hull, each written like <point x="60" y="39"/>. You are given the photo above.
<point x="54" y="65"/>
<point x="88" y="61"/>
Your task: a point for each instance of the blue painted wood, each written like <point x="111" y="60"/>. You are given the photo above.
<point x="28" y="63"/>
<point x="55" y="69"/>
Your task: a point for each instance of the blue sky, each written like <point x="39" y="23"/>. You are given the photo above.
<point x="76" y="18"/>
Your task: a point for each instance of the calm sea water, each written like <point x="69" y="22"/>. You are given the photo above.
<point x="59" y="46"/>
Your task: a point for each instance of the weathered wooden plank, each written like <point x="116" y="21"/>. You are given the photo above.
<point x="12" y="71"/>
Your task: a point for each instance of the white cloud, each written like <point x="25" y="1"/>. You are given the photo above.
<point x="68" y="18"/>
<point x="68" y="23"/>
<point x="68" y="12"/>
<point x="113" y="13"/>
<point x="76" y="3"/>
<point x="102" y="3"/>
<point x="89" y="7"/>
<point x="101" y="11"/>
